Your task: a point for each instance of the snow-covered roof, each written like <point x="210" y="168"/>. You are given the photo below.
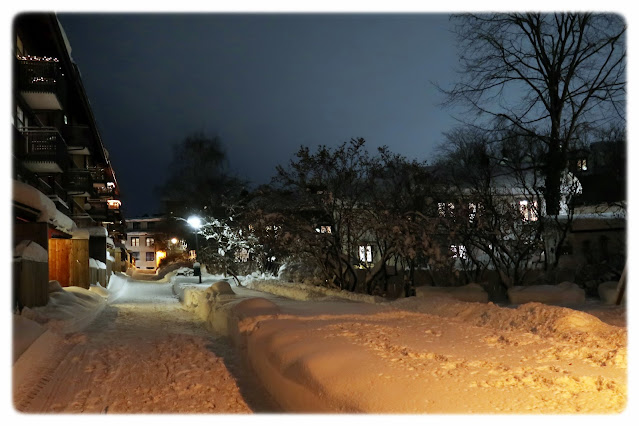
<point x="30" y="196"/>
<point x="97" y="231"/>
<point x="29" y="250"/>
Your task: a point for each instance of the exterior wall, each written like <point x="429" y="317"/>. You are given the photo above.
<point x="144" y="228"/>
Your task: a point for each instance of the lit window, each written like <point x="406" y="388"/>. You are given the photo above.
<point x="135" y="241"/>
<point x="528" y="210"/>
<point x="242" y="255"/>
<point x="472" y="212"/>
<point x="582" y="164"/>
<point x="446" y="208"/>
<point x="366" y="254"/>
<point x="459" y="251"/>
<point x="150" y="256"/>
<point x="325" y="229"/>
<point x="150" y="242"/>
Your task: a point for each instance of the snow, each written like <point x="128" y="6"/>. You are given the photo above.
<point x="142" y="354"/>
<point x="97" y="231"/>
<point x="320" y="352"/>
<point x="68" y="310"/>
<point x="560" y="294"/>
<point x="25" y="332"/>
<point x="28" y="195"/>
<point x="608" y="292"/>
<point x="469" y="293"/>
<point x="29" y="250"/>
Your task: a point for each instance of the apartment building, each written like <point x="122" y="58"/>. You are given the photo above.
<point x="65" y="191"/>
<point x="149" y="240"/>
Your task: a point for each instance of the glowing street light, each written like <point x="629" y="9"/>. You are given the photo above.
<point x="196" y="223"/>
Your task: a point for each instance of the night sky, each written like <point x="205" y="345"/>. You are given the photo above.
<point x="264" y="83"/>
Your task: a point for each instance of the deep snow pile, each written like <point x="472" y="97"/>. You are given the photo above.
<point x="69" y="308"/>
<point x="331" y="355"/>
<point x="304" y="291"/>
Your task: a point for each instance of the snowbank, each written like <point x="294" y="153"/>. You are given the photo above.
<point x="560" y="294"/>
<point x="333" y="356"/>
<point x="307" y="292"/>
<point x="117" y="285"/>
<point x="468" y="293"/>
<point x="68" y="310"/>
<point x="29" y="250"/>
<point x="608" y="292"/>
<point x="25" y="332"/>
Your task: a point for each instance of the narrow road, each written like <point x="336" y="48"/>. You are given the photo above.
<point x="143" y="354"/>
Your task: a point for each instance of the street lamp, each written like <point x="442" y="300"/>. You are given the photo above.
<point x="196" y="223"/>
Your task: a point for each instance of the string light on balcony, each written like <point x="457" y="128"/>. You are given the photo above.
<point x="38" y="58"/>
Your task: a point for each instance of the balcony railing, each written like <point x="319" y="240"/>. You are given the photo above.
<point x="41" y="82"/>
<point x="77" y="136"/>
<point x="98" y="175"/>
<point x="79" y="181"/>
<point x="42" y="149"/>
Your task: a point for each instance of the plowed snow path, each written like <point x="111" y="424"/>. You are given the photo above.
<point x="143" y="354"/>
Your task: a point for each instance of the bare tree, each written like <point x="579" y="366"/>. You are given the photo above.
<point x="546" y="75"/>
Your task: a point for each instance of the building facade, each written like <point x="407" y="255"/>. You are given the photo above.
<point x="65" y="192"/>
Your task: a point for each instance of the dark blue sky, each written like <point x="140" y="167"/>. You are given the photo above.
<point x="264" y="83"/>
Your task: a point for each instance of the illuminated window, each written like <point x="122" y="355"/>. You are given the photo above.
<point x="366" y="254"/>
<point x="242" y="255"/>
<point x="150" y="256"/>
<point x="325" y="229"/>
<point x="528" y="210"/>
<point x="445" y="209"/>
<point x="135" y="241"/>
<point x="472" y="212"/>
<point x="441" y="209"/>
<point x="459" y="251"/>
<point x="582" y="164"/>
<point x="150" y="242"/>
<point x="114" y="204"/>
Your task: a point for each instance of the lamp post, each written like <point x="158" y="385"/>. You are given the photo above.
<point x="196" y="224"/>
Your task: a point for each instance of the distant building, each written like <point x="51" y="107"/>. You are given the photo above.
<point x="148" y="242"/>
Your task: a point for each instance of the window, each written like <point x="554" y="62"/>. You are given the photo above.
<point x="21" y="120"/>
<point x="150" y="256"/>
<point x="135" y="255"/>
<point x="528" y="210"/>
<point x="242" y="255"/>
<point x="136" y="225"/>
<point x="366" y="254"/>
<point x="472" y="212"/>
<point x="325" y="229"/>
<point x="150" y="225"/>
<point x="582" y="164"/>
<point x="446" y="209"/>
<point x="135" y="241"/>
<point x="459" y="251"/>
<point x="150" y="242"/>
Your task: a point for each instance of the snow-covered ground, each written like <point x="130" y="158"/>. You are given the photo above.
<point x="142" y="353"/>
<point x="322" y="353"/>
<point x="317" y="350"/>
